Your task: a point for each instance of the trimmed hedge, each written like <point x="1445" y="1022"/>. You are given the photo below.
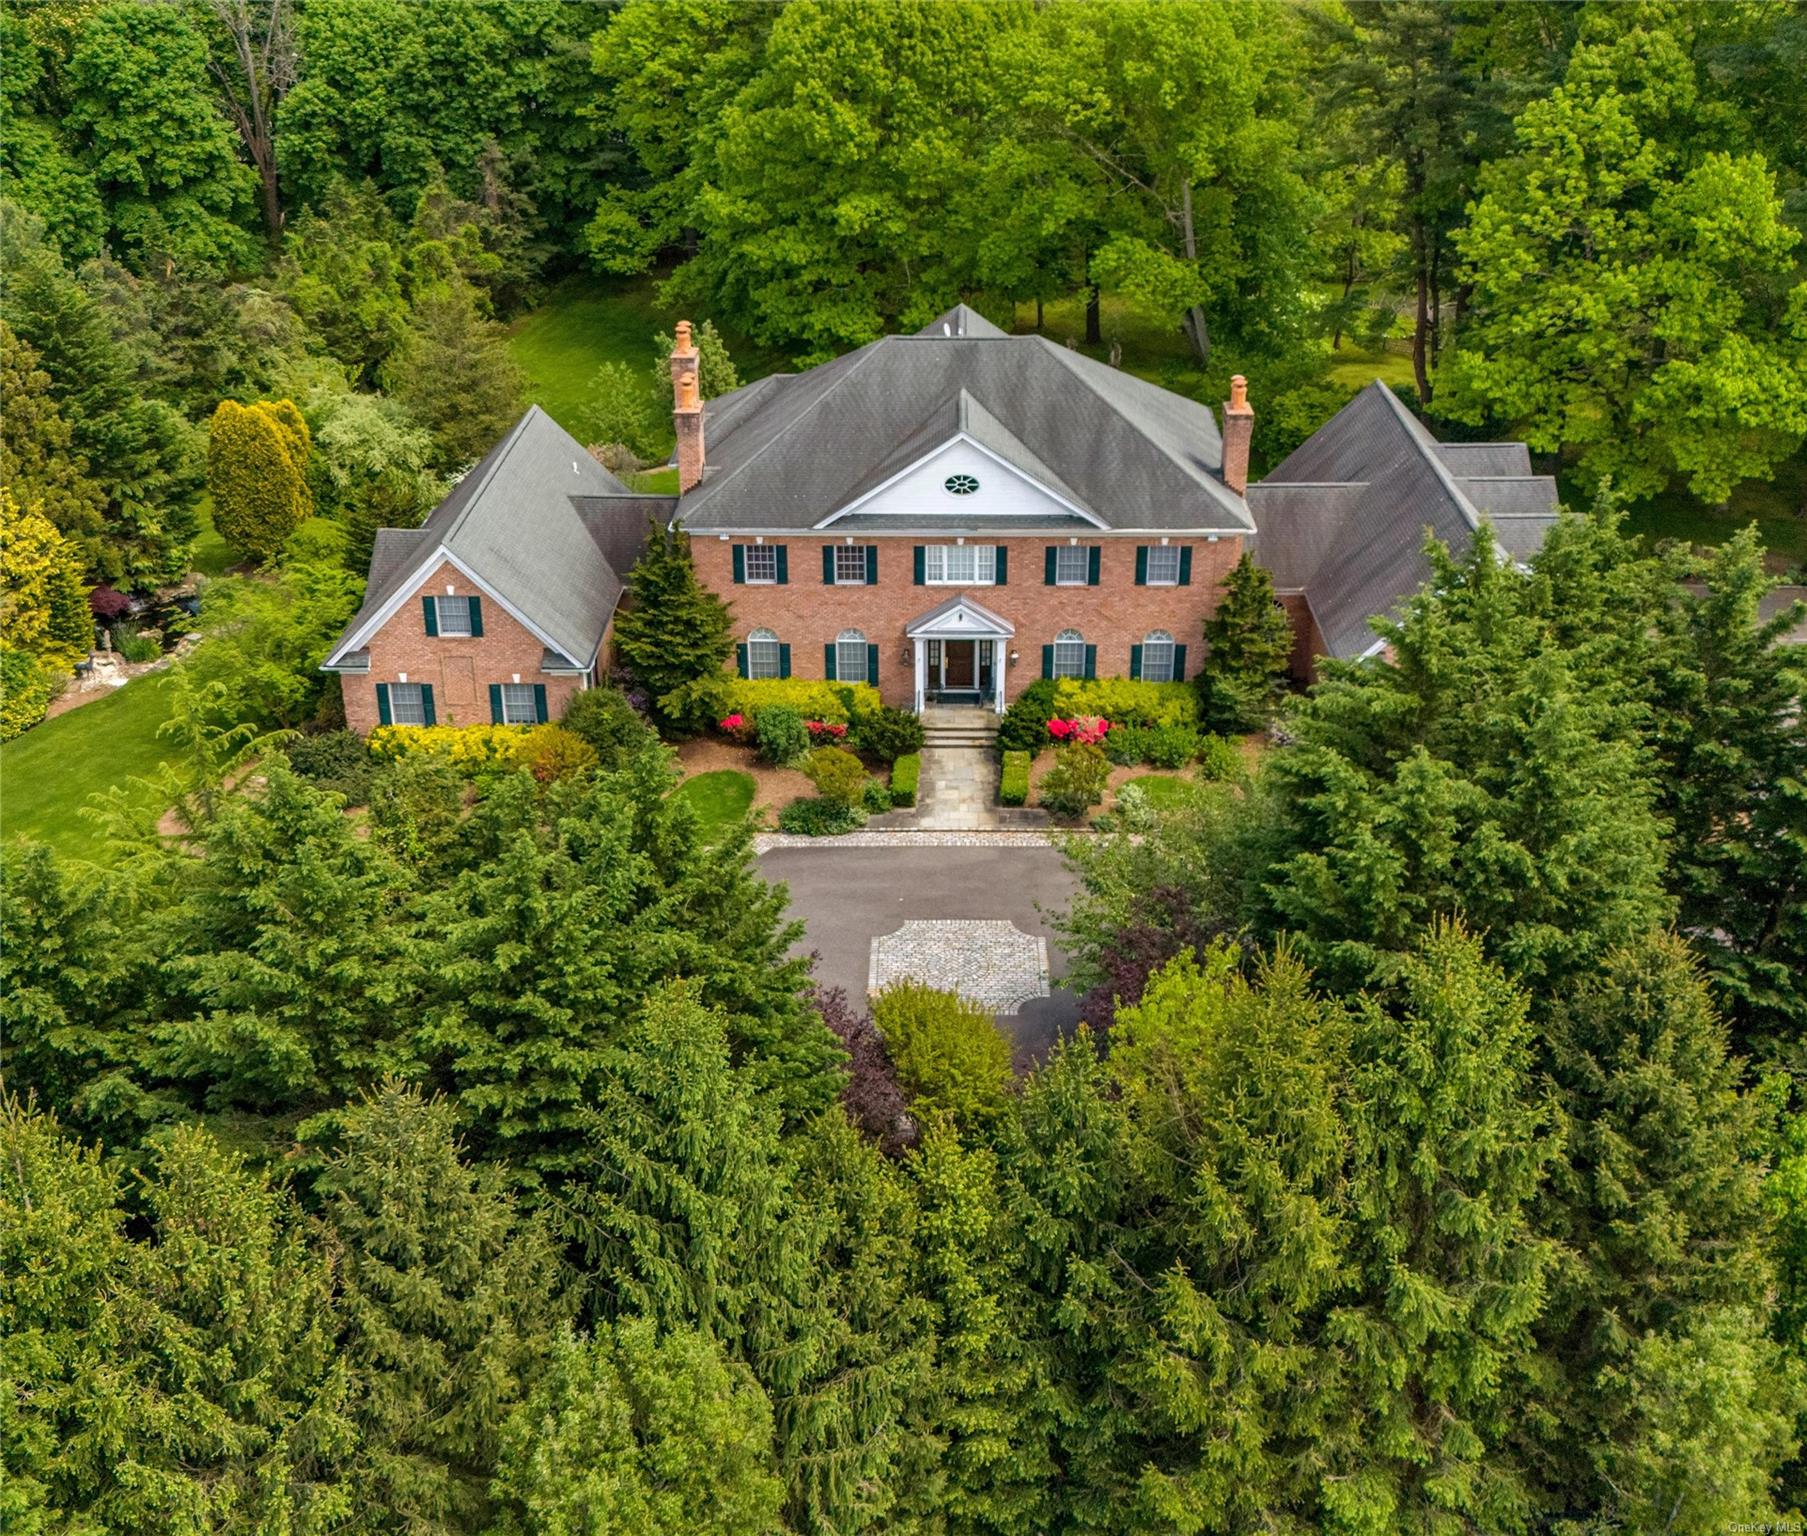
<point x="904" y="774"/>
<point x="1024" y="727"/>
<point x="1125" y="701"/>
<point x="812" y="698"/>
<point x="546" y="751"/>
<point x="819" y="818"/>
<point x="1013" y="782"/>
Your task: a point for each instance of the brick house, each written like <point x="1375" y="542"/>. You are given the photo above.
<point x="948" y="516"/>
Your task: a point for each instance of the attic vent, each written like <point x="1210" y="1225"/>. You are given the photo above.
<point x="960" y="485"/>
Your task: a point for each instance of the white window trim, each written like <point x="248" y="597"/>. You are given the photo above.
<point x="1154" y="640"/>
<point x="439" y="612"/>
<point x="764" y="637"/>
<point x="1076" y="643"/>
<point x="851" y="550"/>
<point x="1149" y="577"/>
<point x="990" y="564"/>
<point x="850" y="637"/>
<point x="747" y="577"/>
<point x="417" y="693"/>
<point x="532" y="708"/>
<point x="1063" y="552"/>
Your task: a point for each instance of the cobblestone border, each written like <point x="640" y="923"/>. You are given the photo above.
<point x="765" y="842"/>
<point x="991" y="961"/>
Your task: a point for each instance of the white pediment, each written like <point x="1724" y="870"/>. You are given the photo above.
<point x="983" y="485"/>
<point x="960" y="618"/>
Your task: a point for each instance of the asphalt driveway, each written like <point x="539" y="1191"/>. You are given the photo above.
<point x="846" y="897"/>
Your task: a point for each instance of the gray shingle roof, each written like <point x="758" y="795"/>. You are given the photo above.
<point x="791" y="450"/>
<point x="1344" y="517"/>
<point x="960" y="321"/>
<point x="512" y="523"/>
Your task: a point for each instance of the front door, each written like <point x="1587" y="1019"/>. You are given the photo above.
<point x="959" y="665"/>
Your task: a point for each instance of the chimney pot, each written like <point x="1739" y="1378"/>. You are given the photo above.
<point x="1238" y="431"/>
<point x="687" y="409"/>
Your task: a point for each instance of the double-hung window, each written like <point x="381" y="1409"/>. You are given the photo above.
<point x="1163" y="565"/>
<point x="850" y="657"/>
<point x="850" y="565"/>
<point x="518" y="707"/>
<point x="960" y="565"/>
<point x="763" y="653"/>
<point x="454" y="615"/>
<point x="762" y="564"/>
<point x="407" y="704"/>
<point x="1072" y="565"/>
<point x="1157" y="657"/>
<point x="1069" y="654"/>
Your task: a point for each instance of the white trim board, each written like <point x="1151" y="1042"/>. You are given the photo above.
<point x="952" y="449"/>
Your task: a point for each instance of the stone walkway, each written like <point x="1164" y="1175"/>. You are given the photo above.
<point x="958" y="790"/>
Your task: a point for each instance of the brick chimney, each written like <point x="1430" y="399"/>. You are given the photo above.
<point x="1238" y="429"/>
<point x="687" y="410"/>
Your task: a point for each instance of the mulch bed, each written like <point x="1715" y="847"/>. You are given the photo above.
<point x="773" y="788"/>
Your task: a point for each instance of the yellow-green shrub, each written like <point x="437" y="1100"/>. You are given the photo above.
<point x="465" y="746"/>
<point x="812" y="698"/>
<point x="1126" y="701"/>
<point x="949" y="1053"/>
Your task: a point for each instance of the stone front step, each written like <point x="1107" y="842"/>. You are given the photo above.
<point x="942" y="739"/>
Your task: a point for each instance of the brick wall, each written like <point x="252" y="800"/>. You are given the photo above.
<point x="806" y="614"/>
<point x="1308" y="639"/>
<point x="460" y="668"/>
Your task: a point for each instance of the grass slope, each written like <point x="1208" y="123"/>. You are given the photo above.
<point x="719" y="798"/>
<point x="47" y="775"/>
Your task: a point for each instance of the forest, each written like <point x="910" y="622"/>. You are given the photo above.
<point x="456" y="1148"/>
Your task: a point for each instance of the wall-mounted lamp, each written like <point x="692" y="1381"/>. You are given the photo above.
<point x="1015" y="657"/>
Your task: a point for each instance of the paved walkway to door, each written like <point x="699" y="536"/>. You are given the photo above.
<point x="958" y="790"/>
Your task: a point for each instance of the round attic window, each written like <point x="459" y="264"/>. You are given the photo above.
<point x="960" y="485"/>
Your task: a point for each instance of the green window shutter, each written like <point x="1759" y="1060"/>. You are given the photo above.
<point x="784" y="661"/>
<point x="1091" y="661"/>
<point x="740" y="659"/>
<point x="828" y="660"/>
<point x="426" y="704"/>
<point x="1001" y="574"/>
<point x="539" y="702"/>
<point x="476" y="618"/>
<point x="1141" y="565"/>
<point x="383" y="717"/>
<point x="872" y="665"/>
<point x="1048" y="566"/>
<point x="1135" y="662"/>
<point x="1047" y="661"/>
<point x="784" y="565"/>
<point x="740" y="566"/>
<point x="919" y="565"/>
<point x="1185" y="565"/>
<point x="828" y="565"/>
<point x="872" y="565"/>
<point x="429" y="610"/>
<point x="1179" y="663"/>
<point x="1092" y="560"/>
<point x="495" y="703"/>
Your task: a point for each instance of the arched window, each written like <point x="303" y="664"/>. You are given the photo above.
<point x="762" y="654"/>
<point x="850" y="657"/>
<point x="1069" y="654"/>
<point x="1157" y="657"/>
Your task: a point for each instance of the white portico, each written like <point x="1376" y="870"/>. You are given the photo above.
<point x="962" y="652"/>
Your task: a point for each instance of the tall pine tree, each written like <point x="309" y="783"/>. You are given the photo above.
<point x="673" y="630"/>
<point x="1248" y="648"/>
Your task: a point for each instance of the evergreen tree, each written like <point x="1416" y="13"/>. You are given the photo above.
<point x="640" y="1432"/>
<point x="449" y="1304"/>
<point x="1448" y="1146"/>
<point x="1248" y="649"/>
<point x="39" y="463"/>
<point x="673" y="630"/>
<point x="1235" y="1093"/>
<point x="1658" y="1202"/>
<point x="452" y="370"/>
<point x="257" y="474"/>
<point x="43" y="604"/>
<point x="1733" y="772"/>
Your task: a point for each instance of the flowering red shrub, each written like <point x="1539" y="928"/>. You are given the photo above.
<point x="830" y="729"/>
<point x="1084" y="730"/>
<point x="732" y="723"/>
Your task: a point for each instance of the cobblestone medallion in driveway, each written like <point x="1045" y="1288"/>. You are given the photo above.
<point x="994" y="963"/>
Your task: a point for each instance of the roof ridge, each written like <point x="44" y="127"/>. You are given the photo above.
<point x="1415" y="433"/>
<point x="501" y="453"/>
<point x="1178" y="463"/>
<point x="871" y="351"/>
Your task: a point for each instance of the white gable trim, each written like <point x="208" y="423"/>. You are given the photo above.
<point x="964" y="439"/>
<point x="962" y="620"/>
<point x="410" y="589"/>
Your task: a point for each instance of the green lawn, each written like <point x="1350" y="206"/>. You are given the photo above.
<point x="720" y="798"/>
<point x="1160" y="789"/>
<point x="211" y="555"/>
<point x="47" y="775"/>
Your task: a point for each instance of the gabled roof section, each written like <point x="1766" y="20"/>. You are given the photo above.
<point x="960" y="614"/>
<point x="960" y="323"/>
<point x="512" y="526"/>
<point x="1344" y="517"/>
<point x="791" y="451"/>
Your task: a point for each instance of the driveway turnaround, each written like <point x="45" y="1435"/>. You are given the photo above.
<point x="848" y="897"/>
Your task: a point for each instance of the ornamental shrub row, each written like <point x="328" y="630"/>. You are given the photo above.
<point x="1013" y="782"/>
<point x="904" y="774"/>
<point x="813" y="699"/>
<point x="546" y="751"/>
<point x="1125" y="701"/>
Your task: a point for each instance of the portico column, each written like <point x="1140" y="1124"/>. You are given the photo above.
<point x="922" y="667"/>
<point x="1000" y="659"/>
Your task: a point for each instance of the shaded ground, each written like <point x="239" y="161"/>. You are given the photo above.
<point x="846" y="897"/>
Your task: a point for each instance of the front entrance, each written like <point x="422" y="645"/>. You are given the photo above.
<point x="960" y="668"/>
